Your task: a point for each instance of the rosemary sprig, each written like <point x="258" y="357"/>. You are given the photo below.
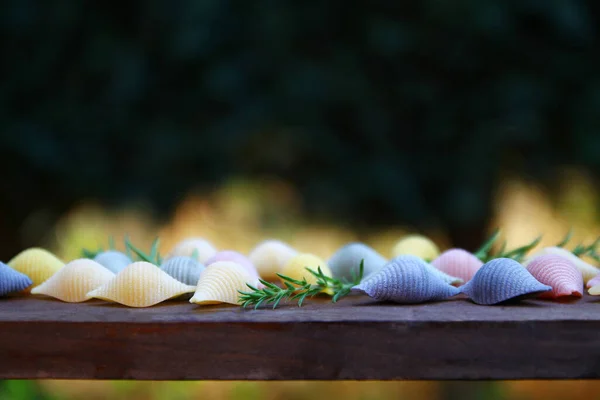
<point x="590" y="250"/>
<point x="483" y="252"/>
<point x="582" y="250"/>
<point x="566" y="239"/>
<point x="299" y="289"/>
<point x="519" y="253"/>
<point x="154" y="256"/>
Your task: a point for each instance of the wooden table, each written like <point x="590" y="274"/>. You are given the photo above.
<point x="353" y="339"/>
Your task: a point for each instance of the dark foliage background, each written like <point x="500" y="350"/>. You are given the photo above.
<point x="379" y="112"/>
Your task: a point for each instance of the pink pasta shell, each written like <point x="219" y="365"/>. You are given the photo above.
<point x="558" y="272"/>
<point x="459" y="263"/>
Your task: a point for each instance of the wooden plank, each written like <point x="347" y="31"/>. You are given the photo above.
<point x="353" y="339"/>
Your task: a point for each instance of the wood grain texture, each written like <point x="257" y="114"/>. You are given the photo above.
<point x="353" y="339"/>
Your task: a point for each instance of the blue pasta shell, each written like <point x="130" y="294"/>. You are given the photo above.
<point x="346" y="261"/>
<point x="500" y="280"/>
<point x="407" y="280"/>
<point x="185" y="269"/>
<point x="12" y="281"/>
<point x="112" y="260"/>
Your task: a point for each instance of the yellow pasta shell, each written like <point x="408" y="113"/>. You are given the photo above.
<point x="73" y="282"/>
<point x="221" y="282"/>
<point x="416" y="245"/>
<point x="270" y="256"/>
<point x="296" y="268"/>
<point x="38" y="264"/>
<point x="141" y="284"/>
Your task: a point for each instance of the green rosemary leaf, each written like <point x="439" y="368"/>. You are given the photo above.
<point x="141" y="255"/>
<point x="294" y="281"/>
<point x="302" y="297"/>
<point x="154" y="249"/>
<point x="251" y="287"/>
<point x="269" y="284"/>
<point x="361" y="272"/>
<point x="89" y="253"/>
<point x="195" y="254"/>
<point x="259" y="303"/>
<point x="483" y="252"/>
<point x="276" y="303"/>
<point x="127" y="249"/>
<point x="519" y="253"/>
<point x="579" y="250"/>
<point x="566" y="239"/>
<point x="111" y="242"/>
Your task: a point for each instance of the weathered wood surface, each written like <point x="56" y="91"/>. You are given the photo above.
<point x="353" y="339"/>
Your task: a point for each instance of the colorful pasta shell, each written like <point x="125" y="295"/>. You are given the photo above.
<point x="593" y="282"/>
<point x="588" y="271"/>
<point x="346" y="261"/>
<point x="296" y="268"/>
<point x="594" y="290"/>
<point x="234" y="256"/>
<point x="406" y="280"/>
<point x="500" y="280"/>
<point x="12" y="281"/>
<point x="38" y="264"/>
<point x="141" y="284"/>
<point x="270" y="257"/>
<point x="112" y="260"/>
<point x="559" y="273"/>
<point x="451" y="280"/>
<point x="193" y="246"/>
<point x="222" y="282"/>
<point x="184" y="269"/>
<point x="74" y="281"/>
<point x="459" y="263"/>
<point x="416" y="245"/>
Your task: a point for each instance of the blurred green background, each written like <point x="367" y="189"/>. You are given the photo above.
<point x="317" y="122"/>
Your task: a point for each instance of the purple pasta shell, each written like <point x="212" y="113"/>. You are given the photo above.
<point x="12" y="281"/>
<point x="500" y="280"/>
<point x="406" y="280"/>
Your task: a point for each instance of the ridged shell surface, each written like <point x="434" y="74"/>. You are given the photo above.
<point x="184" y="269"/>
<point x="73" y="282"/>
<point x="187" y="248"/>
<point x="500" y="280"/>
<point x="270" y="257"/>
<point x="12" y="281"/>
<point x="588" y="271"/>
<point x="141" y="284"/>
<point x="452" y="280"/>
<point x="234" y="256"/>
<point x="406" y="280"/>
<point x="557" y="272"/>
<point x="112" y="260"/>
<point x="221" y="282"/>
<point x="38" y="264"/>
<point x="593" y="282"/>
<point x="459" y="263"/>
<point x="296" y="268"/>
<point x="346" y="261"/>
<point x="416" y="245"/>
